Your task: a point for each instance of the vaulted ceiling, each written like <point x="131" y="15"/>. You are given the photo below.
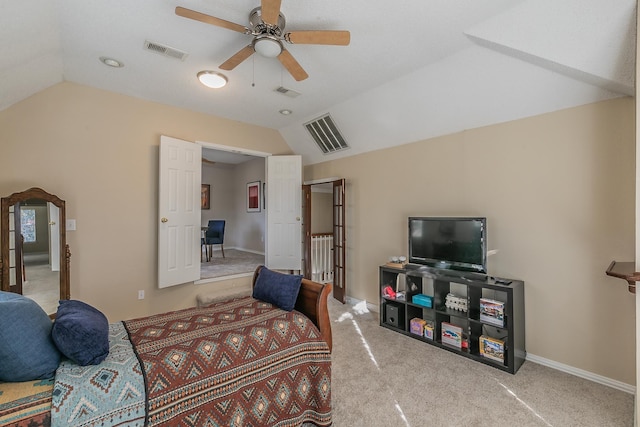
<point x="414" y="69"/>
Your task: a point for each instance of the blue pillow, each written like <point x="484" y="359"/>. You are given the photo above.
<point x="81" y="332"/>
<point x="277" y="288"/>
<point x="27" y="352"/>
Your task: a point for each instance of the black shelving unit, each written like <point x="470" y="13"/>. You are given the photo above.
<point x="396" y="314"/>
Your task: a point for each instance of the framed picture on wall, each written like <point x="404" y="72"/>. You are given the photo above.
<point x="253" y="196"/>
<point x="205" y="196"/>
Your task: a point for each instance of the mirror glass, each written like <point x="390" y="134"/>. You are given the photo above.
<point x="35" y="256"/>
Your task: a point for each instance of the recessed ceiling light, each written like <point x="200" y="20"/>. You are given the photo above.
<point x="111" y="62"/>
<point x="285" y="112"/>
<point x="212" y="79"/>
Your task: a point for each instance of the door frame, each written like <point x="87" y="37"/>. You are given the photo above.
<point x="266" y="156"/>
<point x="306" y="231"/>
<point x="230" y="149"/>
<point x="235" y="150"/>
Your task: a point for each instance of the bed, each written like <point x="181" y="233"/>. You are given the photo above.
<point x="242" y="361"/>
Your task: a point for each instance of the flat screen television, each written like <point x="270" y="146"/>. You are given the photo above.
<point x="453" y="243"/>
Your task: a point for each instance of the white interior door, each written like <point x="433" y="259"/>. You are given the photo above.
<point x="54" y="236"/>
<point x="179" y="212"/>
<point x="284" y="210"/>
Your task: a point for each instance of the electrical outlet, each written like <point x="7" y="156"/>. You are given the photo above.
<point x="140" y="294"/>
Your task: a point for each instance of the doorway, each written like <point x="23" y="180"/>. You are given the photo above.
<point x="226" y="175"/>
<point x="325" y="233"/>
<point x="180" y="224"/>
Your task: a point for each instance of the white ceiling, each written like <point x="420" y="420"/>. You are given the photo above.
<point x="414" y="69"/>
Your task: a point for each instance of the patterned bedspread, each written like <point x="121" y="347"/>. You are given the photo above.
<point x="236" y="363"/>
<point x="25" y="404"/>
<point x="109" y="394"/>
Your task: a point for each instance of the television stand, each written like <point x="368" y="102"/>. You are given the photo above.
<point x="486" y="312"/>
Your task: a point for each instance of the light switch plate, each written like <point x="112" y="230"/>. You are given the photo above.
<point x="71" y="225"/>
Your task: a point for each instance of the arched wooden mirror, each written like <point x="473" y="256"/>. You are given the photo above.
<point x="35" y="255"/>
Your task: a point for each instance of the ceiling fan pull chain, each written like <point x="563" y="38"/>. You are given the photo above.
<point x="253" y="72"/>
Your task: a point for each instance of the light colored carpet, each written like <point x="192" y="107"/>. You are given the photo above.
<point x="234" y="262"/>
<point x="382" y="378"/>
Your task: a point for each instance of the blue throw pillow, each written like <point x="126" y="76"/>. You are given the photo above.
<point x="277" y="288"/>
<point x="81" y="332"/>
<point x="27" y="352"/>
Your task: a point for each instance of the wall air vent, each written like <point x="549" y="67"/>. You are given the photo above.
<point x="326" y="135"/>
<point x="288" y="92"/>
<point x="165" y="50"/>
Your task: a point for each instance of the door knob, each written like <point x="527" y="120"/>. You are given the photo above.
<point x="52" y="223"/>
<point x="163" y="219"/>
<point x="297" y="218"/>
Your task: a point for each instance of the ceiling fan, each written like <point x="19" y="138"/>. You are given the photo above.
<point x="266" y="26"/>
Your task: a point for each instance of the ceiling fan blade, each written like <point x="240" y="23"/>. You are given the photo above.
<point x="236" y="59"/>
<point x="292" y="65"/>
<point x="208" y="19"/>
<point x="270" y="9"/>
<point x="338" y="38"/>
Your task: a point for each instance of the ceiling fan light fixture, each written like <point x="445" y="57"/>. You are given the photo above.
<point x="212" y="79"/>
<point x="267" y="47"/>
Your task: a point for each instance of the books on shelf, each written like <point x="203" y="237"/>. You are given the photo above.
<point x="492" y="311"/>
<point x="492" y="348"/>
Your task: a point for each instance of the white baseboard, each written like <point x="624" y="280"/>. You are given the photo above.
<point x="246" y="250"/>
<point x="217" y="248"/>
<point x="618" y="385"/>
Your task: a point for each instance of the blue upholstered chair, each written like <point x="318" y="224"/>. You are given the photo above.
<point x="214" y="235"/>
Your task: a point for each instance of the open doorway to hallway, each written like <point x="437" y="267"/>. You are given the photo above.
<point x="321" y="233"/>
<point x="325" y="252"/>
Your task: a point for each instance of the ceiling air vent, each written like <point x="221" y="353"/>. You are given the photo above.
<point x="325" y="133"/>
<point x="165" y="50"/>
<point x="288" y="92"/>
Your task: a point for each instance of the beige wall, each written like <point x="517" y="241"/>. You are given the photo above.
<point x="243" y="230"/>
<point x="99" y="151"/>
<point x="558" y="194"/>
<point x="222" y="206"/>
<point x="250" y="234"/>
<point x="321" y="212"/>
